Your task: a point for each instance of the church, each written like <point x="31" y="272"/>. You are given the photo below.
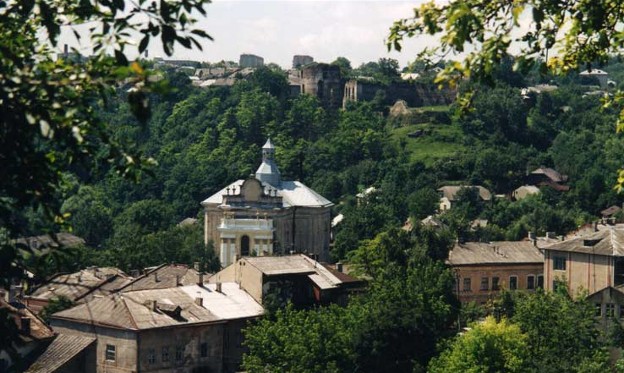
<point x="265" y="215"/>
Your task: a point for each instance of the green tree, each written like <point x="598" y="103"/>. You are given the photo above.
<point x="489" y="346"/>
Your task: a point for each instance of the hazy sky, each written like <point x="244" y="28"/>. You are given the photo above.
<point x="279" y="29"/>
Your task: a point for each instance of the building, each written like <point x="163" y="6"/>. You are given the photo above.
<point x="323" y="81"/>
<point x="66" y="354"/>
<point x="32" y="335"/>
<point x="482" y="269"/>
<point x="525" y="191"/>
<point x="265" y="215"/>
<point x="591" y="262"/>
<point x="166" y="276"/>
<point x="78" y="287"/>
<point x="448" y="195"/>
<point x="301" y="60"/>
<point x="545" y="176"/>
<point x="600" y="75"/>
<point x="294" y="278"/>
<point x="609" y="306"/>
<point x="250" y="60"/>
<point x="183" y="329"/>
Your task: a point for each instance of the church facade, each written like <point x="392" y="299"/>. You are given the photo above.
<point x="265" y="215"/>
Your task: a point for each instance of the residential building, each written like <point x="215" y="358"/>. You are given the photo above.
<point x="78" y="287"/>
<point x="265" y="215"/>
<point x="32" y="335"/>
<point x="525" y="191"/>
<point x="609" y="306"/>
<point x="295" y="278"/>
<point x="66" y="354"/>
<point x="183" y="329"/>
<point x="482" y="269"/>
<point x="448" y="195"/>
<point x="589" y="262"/>
<point x="545" y="176"/>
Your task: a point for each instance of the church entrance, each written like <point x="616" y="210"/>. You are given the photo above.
<point x="245" y="245"/>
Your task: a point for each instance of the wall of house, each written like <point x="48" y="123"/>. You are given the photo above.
<point x="582" y="271"/>
<point x="125" y="342"/>
<point x="164" y="342"/>
<point x="503" y="272"/>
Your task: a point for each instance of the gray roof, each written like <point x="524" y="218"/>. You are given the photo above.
<point x="51" y="240"/>
<point x="323" y="277"/>
<point x="501" y="252"/>
<point x="165" y="276"/>
<point x="59" y="352"/>
<point x="608" y="241"/>
<point x="135" y="310"/>
<point x="450" y="191"/>
<point x="83" y="284"/>
<point x="293" y="193"/>
<point x="552" y="174"/>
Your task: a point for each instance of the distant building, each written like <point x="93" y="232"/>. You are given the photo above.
<point x="591" y="262"/>
<point x="186" y="328"/>
<point x="525" y="191"/>
<point x="483" y="269"/>
<point x="299" y="60"/>
<point x="166" y="276"/>
<point x="250" y="60"/>
<point x="265" y="215"/>
<point x="323" y="81"/>
<point x="609" y="306"/>
<point x="295" y="278"/>
<point x="79" y="287"/>
<point x="448" y="195"/>
<point x="600" y="75"/>
<point x="545" y="176"/>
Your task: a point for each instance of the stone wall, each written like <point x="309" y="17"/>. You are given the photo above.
<point x="323" y="81"/>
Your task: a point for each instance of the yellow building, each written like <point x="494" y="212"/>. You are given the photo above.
<point x="265" y="215"/>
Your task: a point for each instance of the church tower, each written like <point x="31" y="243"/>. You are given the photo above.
<point x="268" y="171"/>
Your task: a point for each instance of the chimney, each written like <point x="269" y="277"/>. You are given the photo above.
<point x="154" y="305"/>
<point x="200" y="279"/>
<point x="196" y="266"/>
<point x="155" y="276"/>
<point x="218" y="287"/>
<point x="178" y="282"/>
<point x="199" y="301"/>
<point x="551" y="235"/>
<point x="339" y="266"/>
<point x="25" y="325"/>
<point x="66" y="50"/>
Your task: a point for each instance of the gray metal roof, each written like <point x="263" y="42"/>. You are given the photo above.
<point x="296" y="264"/>
<point x="608" y="241"/>
<point x="135" y="310"/>
<point x="293" y="193"/>
<point x="501" y="252"/>
<point x="60" y="351"/>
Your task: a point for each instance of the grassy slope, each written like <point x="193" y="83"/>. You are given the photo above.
<point x="439" y="141"/>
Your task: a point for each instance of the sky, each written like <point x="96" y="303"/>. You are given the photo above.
<point x="279" y="29"/>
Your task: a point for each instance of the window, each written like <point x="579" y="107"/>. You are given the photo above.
<point x="530" y="282"/>
<point x="598" y="310"/>
<point x="610" y="310"/>
<point x="485" y="283"/>
<point x="559" y="263"/>
<point x="151" y="356"/>
<point x="179" y="353"/>
<point x="110" y="353"/>
<point x="495" y="283"/>
<point x="165" y="354"/>
<point x="467" y="284"/>
<point x="540" y="281"/>
<point x="203" y="350"/>
<point x="513" y="282"/>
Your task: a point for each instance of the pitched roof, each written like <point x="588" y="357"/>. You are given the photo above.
<point x="38" y="329"/>
<point x="320" y="274"/>
<point x="608" y="241"/>
<point x="501" y="252"/>
<point x="611" y="210"/>
<point x="135" y="310"/>
<point x="82" y="284"/>
<point x="450" y="191"/>
<point x="293" y="193"/>
<point x="551" y="174"/>
<point x="165" y="276"/>
<point x="60" y="351"/>
<point x="51" y="240"/>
